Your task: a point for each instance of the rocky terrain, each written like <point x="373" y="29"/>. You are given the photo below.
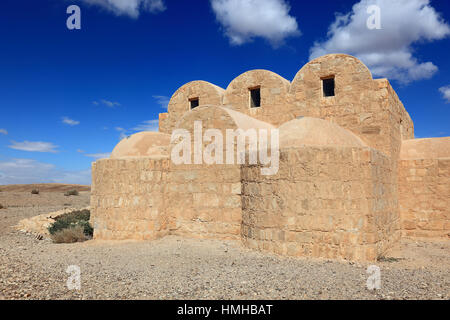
<point x="43" y="187"/>
<point x="177" y="268"/>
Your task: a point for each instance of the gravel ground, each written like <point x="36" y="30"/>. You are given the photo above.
<point x="178" y="268"/>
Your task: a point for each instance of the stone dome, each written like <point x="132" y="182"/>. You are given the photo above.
<point x="143" y="144"/>
<point x="316" y="132"/>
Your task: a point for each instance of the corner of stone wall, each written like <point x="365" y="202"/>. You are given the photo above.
<point x="424" y="195"/>
<point x="164" y="123"/>
<point x="120" y="205"/>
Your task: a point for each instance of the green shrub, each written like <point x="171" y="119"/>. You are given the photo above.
<point x="71" y="193"/>
<point x="70" y="235"/>
<point x="35" y="191"/>
<point x="79" y="218"/>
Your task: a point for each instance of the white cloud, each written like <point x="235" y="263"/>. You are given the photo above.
<point x="34" y="146"/>
<point x="107" y="103"/>
<point x="97" y="156"/>
<point x="445" y="93"/>
<point x="70" y="122"/>
<point x="131" y="8"/>
<point x="24" y="171"/>
<point x="148" y="125"/>
<point x="244" y="20"/>
<point x="163" y="101"/>
<point x="388" y="51"/>
<point x="3" y="131"/>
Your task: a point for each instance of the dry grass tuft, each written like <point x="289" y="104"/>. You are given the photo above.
<point x="70" y="235"/>
<point x="73" y="192"/>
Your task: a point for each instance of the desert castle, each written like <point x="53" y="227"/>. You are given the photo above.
<point x="351" y="179"/>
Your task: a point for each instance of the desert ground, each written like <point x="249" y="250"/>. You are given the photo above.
<point x="178" y="268"/>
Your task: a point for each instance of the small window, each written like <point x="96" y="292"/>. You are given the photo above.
<point x="194" y="102"/>
<point x="328" y="87"/>
<point x="255" y="97"/>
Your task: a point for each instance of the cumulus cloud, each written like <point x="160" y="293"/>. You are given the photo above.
<point x="24" y="171"/>
<point x="3" y="131"/>
<point x="244" y="20"/>
<point x="131" y="8"/>
<point x="445" y="93"/>
<point x="388" y="51"/>
<point x="70" y="122"/>
<point x="34" y="146"/>
<point x="163" y="101"/>
<point x="107" y="103"/>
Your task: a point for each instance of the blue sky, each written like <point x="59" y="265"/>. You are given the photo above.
<point x="67" y="96"/>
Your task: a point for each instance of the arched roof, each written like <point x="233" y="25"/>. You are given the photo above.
<point x="274" y="89"/>
<point x="142" y="144"/>
<point x="220" y="117"/>
<point x="207" y="92"/>
<point x="316" y="132"/>
<point x="346" y="68"/>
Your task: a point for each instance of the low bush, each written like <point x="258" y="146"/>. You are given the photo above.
<point x="70" y="235"/>
<point x="71" y="193"/>
<point x="35" y="191"/>
<point x="388" y="259"/>
<point x="1" y="206"/>
<point x="76" y="219"/>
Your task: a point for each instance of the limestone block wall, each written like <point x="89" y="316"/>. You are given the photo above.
<point x="424" y="188"/>
<point x="179" y="104"/>
<point x="145" y="198"/>
<point x="369" y="108"/>
<point x="204" y="201"/>
<point x="164" y="125"/>
<point x="329" y="202"/>
<point x="127" y="198"/>
<point x="273" y="88"/>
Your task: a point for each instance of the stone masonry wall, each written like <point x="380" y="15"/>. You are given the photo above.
<point x="324" y="202"/>
<point x="273" y="88"/>
<point x="204" y="201"/>
<point x="127" y="198"/>
<point x="369" y="108"/>
<point x="424" y="196"/>
<point x="144" y="199"/>
<point x="207" y="93"/>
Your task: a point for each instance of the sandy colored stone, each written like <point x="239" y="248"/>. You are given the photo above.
<point x="352" y="179"/>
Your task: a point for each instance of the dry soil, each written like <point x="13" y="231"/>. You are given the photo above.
<point x="178" y="268"/>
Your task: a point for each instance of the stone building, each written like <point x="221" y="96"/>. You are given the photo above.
<point x="351" y="181"/>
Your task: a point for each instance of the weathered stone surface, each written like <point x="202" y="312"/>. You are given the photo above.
<point x="322" y="212"/>
<point x="352" y="179"/>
